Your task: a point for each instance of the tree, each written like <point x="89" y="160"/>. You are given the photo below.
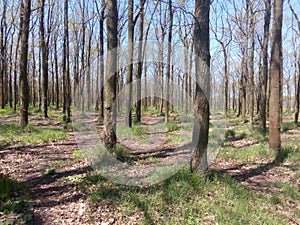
<point x="66" y="72"/>
<point x="44" y="48"/>
<point x="224" y="40"/>
<point x="100" y="97"/>
<point x="168" y="72"/>
<point x="140" y="62"/>
<point x="275" y="76"/>
<point x="3" y="59"/>
<point x="265" y="69"/>
<point x="128" y="118"/>
<point x="23" y="80"/>
<point x="297" y="96"/>
<point x="111" y="70"/>
<point x="201" y="101"/>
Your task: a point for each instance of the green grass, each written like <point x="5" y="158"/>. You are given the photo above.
<point x="185" y="199"/>
<point x="246" y="154"/>
<point x="64" y="119"/>
<point x="285" y="126"/>
<point x="8" y="112"/>
<point x="13" y="134"/>
<point x="171" y="126"/>
<point x="178" y="139"/>
<point x="13" y="205"/>
<point x="137" y="132"/>
<point x="78" y="155"/>
<point x="150" y="160"/>
<point x="121" y="154"/>
<point x="149" y="111"/>
<point x="51" y="171"/>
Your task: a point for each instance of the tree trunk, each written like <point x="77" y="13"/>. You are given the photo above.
<point x="16" y="72"/>
<point x="23" y="83"/>
<point x="3" y="58"/>
<point x="169" y="62"/>
<point x="111" y="70"/>
<point x="245" y="65"/>
<point x="66" y="71"/>
<point x="251" y="65"/>
<point x="265" y="70"/>
<point x="56" y="76"/>
<point x="140" y="63"/>
<point x="44" y="49"/>
<point x="297" y="83"/>
<point x="101" y="36"/>
<point x="128" y="117"/>
<point x="297" y="96"/>
<point x="276" y="74"/>
<point x="202" y="71"/>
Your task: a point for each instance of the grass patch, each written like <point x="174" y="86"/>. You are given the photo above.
<point x="137" y="129"/>
<point x="171" y="126"/>
<point x="246" y="154"/>
<point x="78" y="155"/>
<point x="185" y="199"/>
<point x="285" y="126"/>
<point x="63" y="119"/>
<point x="149" y="111"/>
<point x="178" y="139"/>
<point x="150" y="160"/>
<point x="13" y="205"/>
<point x="8" y="112"/>
<point x="51" y="171"/>
<point x="13" y="134"/>
<point x="121" y="154"/>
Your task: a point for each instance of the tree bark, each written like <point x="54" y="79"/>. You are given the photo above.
<point x="3" y="57"/>
<point x="66" y="71"/>
<point x="297" y="83"/>
<point x="111" y="70"/>
<point x="168" y="72"/>
<point x="140" y="63"/>
<point x="128" y="117"/>
<point x="276" y="74"/>
<point x="251" y="65"/>
<point x="44" y="49"/>
<point x="23" y="81"/>
<point x="201" y="102"/>
<point x="265" y="69"/>
<point x="56" y="76"/>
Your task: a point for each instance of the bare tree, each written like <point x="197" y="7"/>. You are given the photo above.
<point x="111" y="70"/>
<point x="3" y="59"/>
<point x="66" y="71"/>
<point x="44" y="48"/>
<point x="201" y="101"/>
<point x="128" y="118"/>
<point x="23" y="83"/>
<point x="224" y="39"/>
<point x="276" y="74"/>
<point x="140" y="62"/>
<point x="265" y="69"/>
<point x="297" y="96"/>
<point x="168" y="72"/>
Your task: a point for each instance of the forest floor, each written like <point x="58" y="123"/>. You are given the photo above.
<point x="59" y="187"/>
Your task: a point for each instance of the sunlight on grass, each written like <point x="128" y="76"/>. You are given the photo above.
<point x="185" y="199"/>
<point x="13" y="134"/>
<point x="246" y="154"/>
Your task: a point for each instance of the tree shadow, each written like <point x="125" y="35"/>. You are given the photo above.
<point x="281" y="155"/>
